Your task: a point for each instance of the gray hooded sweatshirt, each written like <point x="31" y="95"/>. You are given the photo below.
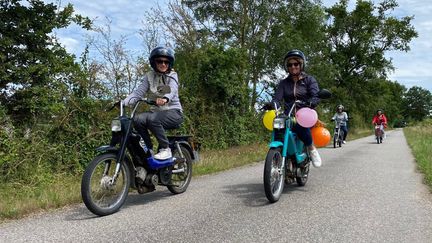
<point x="149" y="85"/>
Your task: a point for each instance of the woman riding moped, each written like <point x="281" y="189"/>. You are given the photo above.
<point x="167" y="113"/>
<point x="299" y="86"/>
<point x="380" y="121"/>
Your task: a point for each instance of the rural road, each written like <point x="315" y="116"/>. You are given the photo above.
<point x="364" y="192"/>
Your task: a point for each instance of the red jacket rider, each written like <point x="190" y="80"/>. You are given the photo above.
<point x="379" y="119"/>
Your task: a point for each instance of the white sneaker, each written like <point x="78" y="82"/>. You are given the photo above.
<point x="163" y="154"/>
<point x="315" y="157"/>
<point x="343" y="142"/>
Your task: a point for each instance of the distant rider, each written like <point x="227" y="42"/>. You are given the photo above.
<point x="341" y="119"/>
<point x="380" y="120"/>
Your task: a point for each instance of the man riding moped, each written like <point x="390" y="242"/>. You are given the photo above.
<point x="341" y="119"/>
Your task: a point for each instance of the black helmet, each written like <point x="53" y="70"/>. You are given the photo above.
<point x="162" y="52"/>
<point x="295" y="54"/>
<point x="340" y="107"/>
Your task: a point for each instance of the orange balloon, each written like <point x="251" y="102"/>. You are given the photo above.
<point x="320" y="136"/>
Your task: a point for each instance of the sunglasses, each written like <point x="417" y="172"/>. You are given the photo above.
<point x="166" y="62"/>
<point x="295" y="64"/>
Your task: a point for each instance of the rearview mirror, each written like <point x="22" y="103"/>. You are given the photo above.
<point x="324" y="94"/>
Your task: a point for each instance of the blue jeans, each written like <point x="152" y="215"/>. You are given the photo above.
<point x="345" y="132"/>
<point x="303" y="133"/>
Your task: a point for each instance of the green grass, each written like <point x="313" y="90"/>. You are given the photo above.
<point x="359" y="133"/>
<point x="220" y="160"/>
<point x="19" y="200"/>
<point x="419" y="139"/>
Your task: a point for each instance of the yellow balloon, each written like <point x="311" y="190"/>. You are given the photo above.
<point x="268" y="118"/>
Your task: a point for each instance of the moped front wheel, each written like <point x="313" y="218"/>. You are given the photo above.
<point x="101" y="193"/>
<point x="182" y="171"/>
<point x="274" y="175"/>
<point x="303" y="171"/>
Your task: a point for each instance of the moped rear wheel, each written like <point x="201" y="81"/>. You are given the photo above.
<point x="182" y="172"/>
<point x="100" y="194"/>
<point x="274" y="175"/>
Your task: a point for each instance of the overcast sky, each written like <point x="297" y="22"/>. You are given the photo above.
<point x="412" y="68"/>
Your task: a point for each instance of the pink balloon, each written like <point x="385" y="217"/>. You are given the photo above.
<point x="306" y="117"/>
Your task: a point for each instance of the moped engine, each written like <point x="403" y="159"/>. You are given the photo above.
<point x="141" y="173"/>
<point x="145" y="182"/>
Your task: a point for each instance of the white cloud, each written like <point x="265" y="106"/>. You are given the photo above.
<point x="71" y="44"/>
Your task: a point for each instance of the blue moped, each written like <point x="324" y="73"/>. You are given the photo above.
<point x="287" y="159"/>
<point x="127" y="162"/>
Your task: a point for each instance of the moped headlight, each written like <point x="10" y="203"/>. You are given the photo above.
<point x="279" y="123"/>
<point x="115" y="125"/>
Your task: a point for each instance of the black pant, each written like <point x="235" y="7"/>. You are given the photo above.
<point x="157" y="122"/>
<point x="345" y="132"/>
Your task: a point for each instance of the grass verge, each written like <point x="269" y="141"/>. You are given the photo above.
<point x="219" y="160"/>
<point x="419" y="138"/>
<point x="19" y="200"/>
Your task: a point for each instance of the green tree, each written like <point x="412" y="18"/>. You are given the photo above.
<point x="35" y="70"/>
<point x="214" y="97"/>
<point x="417" y="103"/>
<point x="358" y="41"/>
<point x="265" y="30"/>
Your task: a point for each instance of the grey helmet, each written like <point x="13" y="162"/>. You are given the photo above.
<point x="162" y="52"/>
<point x="297" y="54"/>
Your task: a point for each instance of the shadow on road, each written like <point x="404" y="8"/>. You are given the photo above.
<point x="253" y="195"/>
<point x="133" y="199"/>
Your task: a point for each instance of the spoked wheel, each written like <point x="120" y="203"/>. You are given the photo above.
<point x="181" y="172"/>
<point x="274" y="175"/>
<point x="101" y="195"/>
<point x="378" y="136"/>
<point x="335" y="138"/>
<point x="303" y="171"/>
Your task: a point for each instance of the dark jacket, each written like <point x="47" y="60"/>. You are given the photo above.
<point x="306" y="90"/>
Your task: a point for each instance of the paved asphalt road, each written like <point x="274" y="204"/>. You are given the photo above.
<point x="364" y="192"/>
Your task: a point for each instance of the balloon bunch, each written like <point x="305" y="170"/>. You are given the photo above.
<point x="308" y="118"/>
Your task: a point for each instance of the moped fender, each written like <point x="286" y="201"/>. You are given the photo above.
<point x="106" y="148"/>
<point x="300" y="157"/>
<point x="276" y="144"/>
<point x="193" y="153"/>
